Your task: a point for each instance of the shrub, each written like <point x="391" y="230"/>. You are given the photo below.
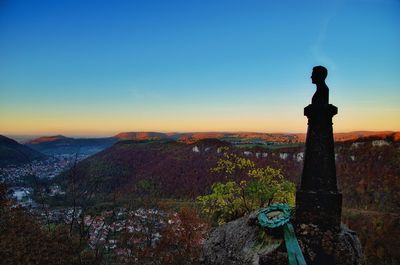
<point x="247" y="188"/>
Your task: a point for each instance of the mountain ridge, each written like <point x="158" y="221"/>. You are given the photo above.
<point x="193" y="136"/>
<point x="12" y="152"/>
<point x="60" y="144"/>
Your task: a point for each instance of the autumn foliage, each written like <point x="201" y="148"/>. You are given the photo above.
<point x="23" y="240"/>
<point x="247" y="188"/>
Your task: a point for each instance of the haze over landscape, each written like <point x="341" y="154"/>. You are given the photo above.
<point x="80" y="68"/>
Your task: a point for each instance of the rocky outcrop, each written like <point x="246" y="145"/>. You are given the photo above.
<point x="243" y="242"/>
<point x="237" y="242"/>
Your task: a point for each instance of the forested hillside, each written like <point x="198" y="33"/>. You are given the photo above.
<point x="368" y="172"/>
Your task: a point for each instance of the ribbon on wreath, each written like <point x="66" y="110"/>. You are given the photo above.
<point x="278" y="215"/>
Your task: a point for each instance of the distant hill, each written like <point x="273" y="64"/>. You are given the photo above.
<point x="141" y="136"/>
<point x="396" y="136"/>
<point x="358" y="135"/>
<point x="192" y="137"/>
<point x="47" y="139"/>
<point x="11" y="152"/>
<point x="59" y="144"/>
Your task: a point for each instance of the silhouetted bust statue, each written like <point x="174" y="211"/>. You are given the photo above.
<point x="318" y="201"/>
<point x="318" y="76"/>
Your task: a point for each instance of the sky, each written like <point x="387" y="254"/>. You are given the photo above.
<point x="96" y="68"/>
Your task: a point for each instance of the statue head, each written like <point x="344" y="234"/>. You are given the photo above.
<point x="319" y="74"/>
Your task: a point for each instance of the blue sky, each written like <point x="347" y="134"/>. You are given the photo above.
<point x="101" y="67"/>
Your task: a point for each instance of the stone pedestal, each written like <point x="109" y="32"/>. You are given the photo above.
<point x="318" y="200"/>
<point x="319" y="208"/>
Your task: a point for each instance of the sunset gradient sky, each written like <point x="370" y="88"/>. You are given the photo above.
<point x="102" y="67"/>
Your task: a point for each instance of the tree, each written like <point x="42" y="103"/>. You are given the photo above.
<point x="247" y="188"/>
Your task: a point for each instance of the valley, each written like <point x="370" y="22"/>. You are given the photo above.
<point x="141" y="175"/>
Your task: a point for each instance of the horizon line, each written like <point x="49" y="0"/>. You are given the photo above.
<point x="72" y="135"/>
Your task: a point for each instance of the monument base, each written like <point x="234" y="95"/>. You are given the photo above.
<point x="323" y="209"/>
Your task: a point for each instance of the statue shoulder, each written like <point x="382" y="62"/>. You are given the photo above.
<point x="321" y="96"/>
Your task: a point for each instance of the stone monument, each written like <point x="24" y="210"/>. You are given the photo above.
<point x="318" y="201"/>
<point x="321" y="237"/>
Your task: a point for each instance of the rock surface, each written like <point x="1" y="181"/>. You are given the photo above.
<point x="243" y="242"/>
<point x="237" y="242"/>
